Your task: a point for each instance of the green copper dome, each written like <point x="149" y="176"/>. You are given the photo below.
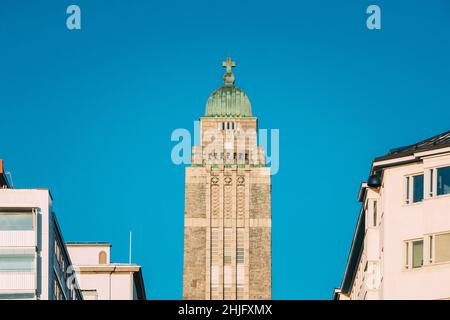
<point x="228" y="101"/>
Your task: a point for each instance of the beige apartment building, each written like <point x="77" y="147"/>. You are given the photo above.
<point x="227" y="240"/>
<point x="401" y="245"/>
<point x="99" y="279"/>
<point x="37" y="264"/>
<point x="34" y="261"/>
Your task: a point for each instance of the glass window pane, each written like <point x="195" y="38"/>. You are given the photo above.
<point x="442" y="250"/>
<point x="18" y="222"/>
<point x="418" y="188"/>
<point x="17" y="262"/>
<point x="417" y="254"/>
<point x="443" y="181"/>
<point x="11" y="296"/>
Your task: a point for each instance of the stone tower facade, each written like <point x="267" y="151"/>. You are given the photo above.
<point x="227" y="232"/>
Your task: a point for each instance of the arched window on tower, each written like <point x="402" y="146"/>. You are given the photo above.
<point x="102" y="257"/>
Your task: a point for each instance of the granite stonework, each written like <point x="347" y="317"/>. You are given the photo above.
<point x="227" y="241"/>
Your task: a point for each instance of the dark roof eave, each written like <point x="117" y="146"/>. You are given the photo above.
<point x="436" y="142"/>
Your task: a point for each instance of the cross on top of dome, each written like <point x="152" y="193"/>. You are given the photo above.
<point x="229" y="63"/>
<point x="228" y="77"/>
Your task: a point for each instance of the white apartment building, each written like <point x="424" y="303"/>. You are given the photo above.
<point x="401" y="245"/>
<point x="99" y="279"/>
<point x="34" y="262"/>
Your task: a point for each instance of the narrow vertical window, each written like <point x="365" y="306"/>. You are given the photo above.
<point x="418" y="188"/>
<point x="214" y="264"/>
<point x="227" y="270"/>
<point x="417" y="260"/>
<point x="102" y="257"/>
<point x="375" y="213"/>
<point x="240" y="258"/>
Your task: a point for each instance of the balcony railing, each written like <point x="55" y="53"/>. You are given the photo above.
<point x="17" y="280"/>
<point x="17" y="239"/>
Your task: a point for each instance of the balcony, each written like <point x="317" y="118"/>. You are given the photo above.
<point x="17" y="281"/>
<point x="17" y="239"/>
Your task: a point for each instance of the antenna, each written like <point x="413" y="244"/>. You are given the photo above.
<point x="129" y="260"/>
<point x="8" y="173"/>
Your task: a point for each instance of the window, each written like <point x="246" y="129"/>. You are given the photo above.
<point x="443" y="181"/>
<point x="16" y="262"/>
<point x="16" y="221"/>
<point x="227" y="264"/>
<point x="418" y="188"/>
<point x="214" y="263"/>
<point x="57" y="290"/>
<point x="240" y="259"/>
<point x="417" y="254"/>
<point x="375" y="213"/>
<point x="18" y="296"/>
<point x="102" y="257"/>
<point x="442" y="247"/>
<point x="414" y="188"/>
<point x="414" y="254"/>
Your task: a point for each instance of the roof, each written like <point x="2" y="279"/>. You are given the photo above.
<point x="112" y="267"/>
<point x="88" y="243"/>
<point x="436" y="142"/>
<point x="228" y="100"/>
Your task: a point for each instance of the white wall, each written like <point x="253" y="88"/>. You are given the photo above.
<point x="87" y="254"/>
<point x="404" y="222"/>
<point x="29" y="198"/>
<point x="109" y="286"/>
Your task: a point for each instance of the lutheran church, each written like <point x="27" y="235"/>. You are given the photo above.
<point x="227" y="229"/>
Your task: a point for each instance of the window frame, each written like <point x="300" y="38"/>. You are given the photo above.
<point x="409" y="188"/>
<point x="20" y="213"/>
<point x="408" y="254"/>
<point x="26" y="261"/>
<point x="435" y="181"/>
<point x="433" y="250"/>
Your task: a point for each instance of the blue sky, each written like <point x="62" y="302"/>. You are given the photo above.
<point x="89" y="114"/>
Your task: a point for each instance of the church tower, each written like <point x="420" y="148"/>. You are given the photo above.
<point x="227" y="230"/>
